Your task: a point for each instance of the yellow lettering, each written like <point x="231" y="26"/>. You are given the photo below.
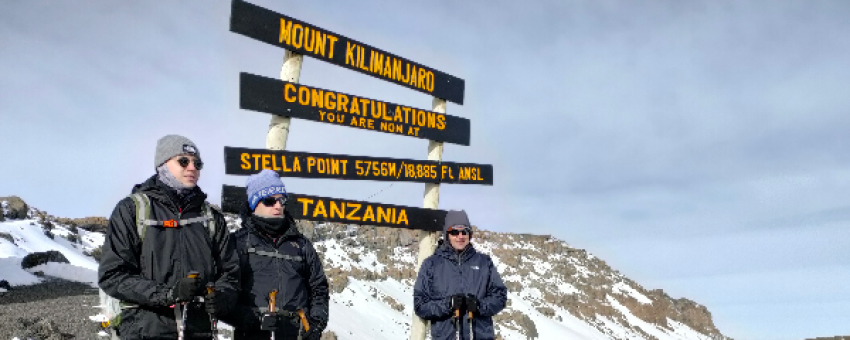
<point x="274" y="163"/>
<point x="421" y="83"/>
<point x="256" y="161"/>
<point x="344" y="166"/>
<point x="441" y="122"/>
<point x="368" y="214"/>
<point x="411" y="75"/>
<point x="341" y="102"/>
<point x="405" y="75"/>
<point x="266" y="161"/>
<point x="320" y="209"/>
<point x="305" y="202"/>
<point x="332" y="43"/>
<point x="337" y="210"/>
<point x="296" y="165"/>
<point x="351" y="213"/>
<point x="286" y="95"/>
<point x="317" y="98"/>
<point x="384" y="214"/>
<point x="297" y="39"/>
<point x="402" y="216"/>
<point x="320" y="165"/>
<point x="319" y="42"/>
<point x="311" y="162"/>
<point x="363" y="105"/>
<point x="430" y="81"/>
<point x="397" y="69"/>
<point x="333" y="166"/>
<point x="370" y="124"/>
<point x="283" y="160"/>
<point x="388" y="72"/>
<point x="353" y="121"/>
<point x="406" y="114"/>
<point x="308" y="43"/>
<point x="355" y="108"/>
<point x="432" y="119"/>
<point x="303" y="96"/>
<point x="330" y="100"/>
<point x="285" y="29"/>
<point x="350" y="59"/>
<point x="397" y="117"/>
<point x="376" y="62"/>
<point x="245" y="163"/>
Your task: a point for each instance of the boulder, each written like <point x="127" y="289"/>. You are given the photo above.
<point x="39" y="258"/>
<point x="16" y="208"/>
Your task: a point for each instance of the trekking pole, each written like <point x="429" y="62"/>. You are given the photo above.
<point x="469" y="320"/>
<point x="304" y="322"/>
<point x="271" y="305"/>
<point x="457" y="324"/>
<point x="213" y="320"/>
<point x="181" y="325"/>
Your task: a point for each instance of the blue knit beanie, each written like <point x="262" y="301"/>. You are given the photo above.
<point x="264" y="184"/>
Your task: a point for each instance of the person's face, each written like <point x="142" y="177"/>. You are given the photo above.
<point x="186" y="168"/>
<point x="274" y="209"/>
<point x="459" y="237"/>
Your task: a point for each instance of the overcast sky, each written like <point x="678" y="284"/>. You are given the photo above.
<point x="698" y="147"/>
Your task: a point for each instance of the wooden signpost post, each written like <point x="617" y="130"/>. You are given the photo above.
<point x="286" y="98"/>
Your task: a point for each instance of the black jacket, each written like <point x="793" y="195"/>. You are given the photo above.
<point x="447" y="273"/>
<point x="143" y="272"/>
<point x="298" y="276"/>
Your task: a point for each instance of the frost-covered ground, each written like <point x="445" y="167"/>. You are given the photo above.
<point x="364" y="309"/>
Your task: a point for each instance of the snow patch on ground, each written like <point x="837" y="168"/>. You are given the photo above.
<point x="68" y="272"/>
<point x="623" y="288"/>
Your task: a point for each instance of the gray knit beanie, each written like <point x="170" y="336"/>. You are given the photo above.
<point x="454" y="218"/>
<point x="263" y="184"/>
<point x="173" y="145"/>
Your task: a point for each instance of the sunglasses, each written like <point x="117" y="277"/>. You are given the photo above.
<point x="184" y="162"/>
<point x="270" y="201"/>
<point x="458" y="232"/>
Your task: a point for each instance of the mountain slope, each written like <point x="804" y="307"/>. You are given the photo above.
<point x="555" y="291"/>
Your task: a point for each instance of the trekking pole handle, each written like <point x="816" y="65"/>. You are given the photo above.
<point x="304" y="320"/>
<point x="271" y="300"/>
<point x="193" y="275"/>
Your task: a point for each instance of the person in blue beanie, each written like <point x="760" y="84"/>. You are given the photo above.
<point x="275" y="257"/>
<point x="459" y="289"/>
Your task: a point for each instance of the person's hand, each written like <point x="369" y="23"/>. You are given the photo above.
<point x="269" y="321"/>
<point x="185" y="289"/>
<point x="472" y="303"/>
<point x="457" y="302"/>
<point x="210" y="303"/>
<point x="316" y="328"/>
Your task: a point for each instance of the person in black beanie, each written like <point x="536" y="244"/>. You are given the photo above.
<point x="459" y="289"/>
<point x="159" y="235"/>
<point x="275" y="256"/>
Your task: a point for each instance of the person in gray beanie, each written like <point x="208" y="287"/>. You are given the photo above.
<point x="459" y="289"/>
<point x="164" y="245"/>
<point x="274" y="255"/>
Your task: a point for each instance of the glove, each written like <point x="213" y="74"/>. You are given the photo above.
<point x="209" y="303"/>
<point x="269" y="322"/>
<point x="457" y="302"/>
<point x="185" y="289"/>
<point x="316" y="328"/>
<point x="472" y="303"/>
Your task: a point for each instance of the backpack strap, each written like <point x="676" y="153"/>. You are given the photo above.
<point x="143" y="213"/>
<point x="209" y="219"/>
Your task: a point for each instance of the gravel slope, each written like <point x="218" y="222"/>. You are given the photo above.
<point x="52" y="310"/>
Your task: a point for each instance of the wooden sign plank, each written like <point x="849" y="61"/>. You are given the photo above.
<point x="326" y="209"/>
<point x="287" y="99"/>
<point x="243" y="161"/>
<point x="283" y="31"/>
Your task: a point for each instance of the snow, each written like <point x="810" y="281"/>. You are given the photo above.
<point x="623" y="288"/>
<point x="681" y="332"/>
<point x="570" y="327"/>
<point x="29" y="237"/>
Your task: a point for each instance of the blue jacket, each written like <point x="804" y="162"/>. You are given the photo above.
<point x="447" y="273"/>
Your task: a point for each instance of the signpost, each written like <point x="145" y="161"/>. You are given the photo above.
<point x="327" y="209"/>
<point x="242" y="161"/>
<point x="287" y="98"/>
<point x="300" y="37"/>
<point x="282" y="98"/>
